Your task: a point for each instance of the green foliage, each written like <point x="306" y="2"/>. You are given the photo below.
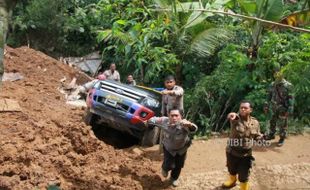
<point x="265" y="9"/>
<point x="151" y="45"/>
<point x="217" y="94"/>
<point x="59" y="26"/>
<point x="136" y="41"/>
<point x="297" y="71"/>
<point x="35" y="17"/>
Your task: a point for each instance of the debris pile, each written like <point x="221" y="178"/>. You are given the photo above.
<point x="46" y="143"/>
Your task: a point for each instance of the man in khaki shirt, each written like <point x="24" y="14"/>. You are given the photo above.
<point x="172" y="96"/>
<point x="176" y="141"/>
<point x="112" y="73"/>
<point x="244" y="132"/>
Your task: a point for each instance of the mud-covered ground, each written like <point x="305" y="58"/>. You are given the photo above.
<point x="48" y="144"/>
<point x="282" y="168"/>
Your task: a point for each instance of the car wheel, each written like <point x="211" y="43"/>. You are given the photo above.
<point x="89" y="118"/>
<point x="150" y="136"/>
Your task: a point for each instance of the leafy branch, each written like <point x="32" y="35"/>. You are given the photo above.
<point x="242" y="16"/>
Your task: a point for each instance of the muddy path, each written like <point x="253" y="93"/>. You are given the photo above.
<point x="286" y="167"/>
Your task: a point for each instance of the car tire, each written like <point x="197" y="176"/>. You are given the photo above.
<point x="150" y="137"/>
<point x="89" y="118"/>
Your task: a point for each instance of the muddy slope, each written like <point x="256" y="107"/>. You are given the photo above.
<point x="48" y="144"/>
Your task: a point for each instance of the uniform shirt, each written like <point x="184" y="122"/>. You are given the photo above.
<point x="174" y="100"/>
<point x="112" y="76"/>
<point x="175" y="137"/>
<point x="242" y="136"/>
<point x="280" y="96"/>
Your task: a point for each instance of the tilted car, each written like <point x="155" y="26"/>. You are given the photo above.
<point x="124" y="108"/>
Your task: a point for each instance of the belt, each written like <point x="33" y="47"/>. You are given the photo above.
<point x="240" y="152"/>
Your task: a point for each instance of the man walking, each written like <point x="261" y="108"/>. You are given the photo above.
<point x="280" y="101"/>
<point x="244" y="130"/>
<point x="175" y="141"/>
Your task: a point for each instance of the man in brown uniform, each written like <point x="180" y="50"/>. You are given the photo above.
<point x="176" y="141"/>
<point x="172" y="96"/>
<point x="244" y="131"/>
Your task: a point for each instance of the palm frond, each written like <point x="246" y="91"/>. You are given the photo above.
<point x="205" y="43"/>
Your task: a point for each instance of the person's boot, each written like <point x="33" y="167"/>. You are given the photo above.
<point x="281" y="141"/>
<point x="231" y="182"/>
<point x="244" y="186"/>
<point x="270" y="136"/>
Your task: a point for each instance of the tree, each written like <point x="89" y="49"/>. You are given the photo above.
<point x="178" y="32"/>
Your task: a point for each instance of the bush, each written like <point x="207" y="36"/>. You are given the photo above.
<point x="217" y="94"/>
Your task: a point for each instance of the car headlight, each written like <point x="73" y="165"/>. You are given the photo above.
<point x="150" y="102"/>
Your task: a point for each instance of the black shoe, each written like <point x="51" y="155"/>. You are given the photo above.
<point x="281" y="142"/>
<point x="164" y="173"/>
<point x="269" y="137"/>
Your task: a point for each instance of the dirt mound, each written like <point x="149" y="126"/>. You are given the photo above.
<point x="47" y="144"/>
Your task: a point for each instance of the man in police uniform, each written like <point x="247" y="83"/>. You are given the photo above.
<point x="244" y="132"/>
<point x="6" y="7"/>
<point x="175" y="140"/>
<point x="172" y="96"/>
<point x="280" y="102"/>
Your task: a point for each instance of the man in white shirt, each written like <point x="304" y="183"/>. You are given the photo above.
<point x="112" y="73"/>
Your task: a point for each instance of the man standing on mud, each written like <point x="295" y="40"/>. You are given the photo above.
<point x="112" y="73"/>
<point x="176" y="141"/>
<point x="243" y="133"/>
<point x="6" y="7"/>
<point x="280" y="101"/>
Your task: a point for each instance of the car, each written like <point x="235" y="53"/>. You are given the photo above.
<point x="124" y="108"/>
